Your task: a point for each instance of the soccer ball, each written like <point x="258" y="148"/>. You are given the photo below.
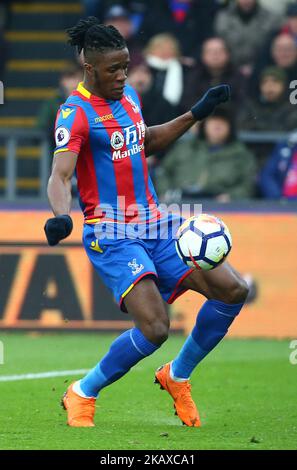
<point x="203" y="241"/>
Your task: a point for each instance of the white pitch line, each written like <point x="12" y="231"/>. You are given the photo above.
<point x="42" y="375"/>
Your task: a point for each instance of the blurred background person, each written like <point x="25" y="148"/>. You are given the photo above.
<point x="245" y="26"/>
<point x="272" y="110"/>
<point x="119" y="17"/>
<point x="284" y="54"/>
<point x="189" y="21"/>
<point x="136" y="8"/>
<point x="280" y="50"/>
<point x="278" y="179"/>
<point x="290" y="26"/>
<point x="92" y="7"/>
<point x="162" y="54"/>
<point x="211" y="163"/>
<point x="155" y="108"/>
<point x="214" y="67"/>
<point x="68" y="82"/>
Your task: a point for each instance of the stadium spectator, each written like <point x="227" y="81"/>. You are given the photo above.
<point x="99" y="8"/>
<point x="284" y="55"/>
<point x="189" y="21"/>
<point x="162" y="55"/>
<point x="290" y="26"/>
<point x="47" y="115"/>
<point x="279" y="176"/>
<point x="245" y="25"/>
<point x="272" y="111"/>
<point x="137" y="9"/>
<point x="281" y="51"/>
<point x="120" y="18"/>
<point x="92" y="7"/>
<point x="215" y="67"/>
<point x="155" y="108"/>
<point x="213" y="165"/>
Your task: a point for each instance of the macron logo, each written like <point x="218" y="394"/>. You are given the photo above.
<point x="66" y="112"/>
<point x="104" y="118"/>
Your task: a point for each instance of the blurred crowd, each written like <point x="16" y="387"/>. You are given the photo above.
<point x="180" y="48"/>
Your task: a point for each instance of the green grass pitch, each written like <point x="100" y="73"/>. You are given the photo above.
<point x="245" y="391"/>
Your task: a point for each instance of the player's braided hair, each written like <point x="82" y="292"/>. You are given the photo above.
<point x="90" y="35"/>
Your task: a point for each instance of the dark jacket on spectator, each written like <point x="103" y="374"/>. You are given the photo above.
<point x="156" y="109"/>
<point x="274" y="174"/>
<point x="193" y="167"/>
<point x="159" y="77"/>
<point x="198" y="80"/>
<point x="259" y="116"/>
<point x="197" y="26"/>
<point x="264" y="60"/>
<point x="245" y="36"/>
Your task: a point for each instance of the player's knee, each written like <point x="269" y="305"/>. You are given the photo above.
<point x="235" y="293"/>
<point x="239" y="291"/>
<point x="157" y="331"/>
<point x="160" y="334"/>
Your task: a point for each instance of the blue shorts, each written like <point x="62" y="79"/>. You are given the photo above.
<point x="122" y="263"/>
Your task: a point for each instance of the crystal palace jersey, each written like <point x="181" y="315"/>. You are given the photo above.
<point x="108" y="137"/>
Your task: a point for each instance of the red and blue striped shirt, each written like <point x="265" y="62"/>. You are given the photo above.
<point x="112" y="173"/>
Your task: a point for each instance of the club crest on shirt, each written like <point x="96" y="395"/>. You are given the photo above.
<point x="136" y="268"/>
<point x="135" y="106"/>
<point x="117" y="140"/>
<point x="62" y="136"/>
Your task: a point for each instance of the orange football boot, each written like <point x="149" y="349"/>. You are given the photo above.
<point x="184" y="405"/>
<point x="80" y="411"/>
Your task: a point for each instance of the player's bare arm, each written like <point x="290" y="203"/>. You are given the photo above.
<point x="59" y="185"/>
<point x="59" y="194"/>
<point x="160" y="137"/>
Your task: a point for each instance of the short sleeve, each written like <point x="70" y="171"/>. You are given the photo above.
<point x="71" y="129"/>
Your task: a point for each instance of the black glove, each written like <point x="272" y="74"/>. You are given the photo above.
<point x="212" y="98"/>
<point x="58" y="228"/>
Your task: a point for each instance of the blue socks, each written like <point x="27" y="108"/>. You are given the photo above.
<point x="212" y="324"/>
<point x="126" y="351"/>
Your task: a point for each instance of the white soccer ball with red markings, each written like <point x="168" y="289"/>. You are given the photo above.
<point x="203" y="242"/>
